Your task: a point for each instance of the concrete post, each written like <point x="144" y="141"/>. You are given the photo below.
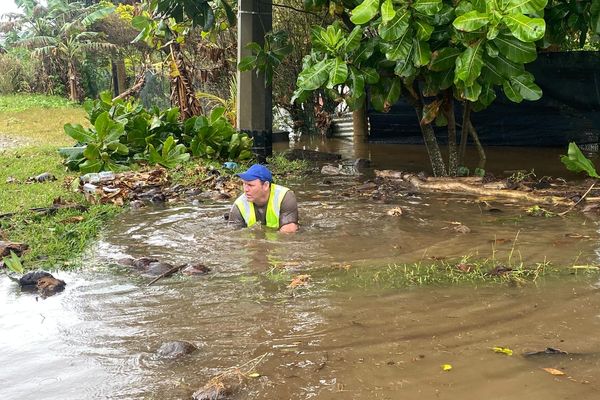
<point x="254" y="103"/>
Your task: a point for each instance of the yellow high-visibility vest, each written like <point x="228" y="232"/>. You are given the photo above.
<point x="273" y="207"/>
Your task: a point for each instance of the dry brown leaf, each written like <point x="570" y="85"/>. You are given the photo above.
<point x="554" y="371"/>
<point x="395" y="212"/>
<point x="73" y="220"/>
<point x="299" y="280"/>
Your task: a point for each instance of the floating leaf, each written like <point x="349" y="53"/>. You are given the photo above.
<point x="446" y="367"/>
<point x="554" y="371"/>
<point x="503" y="350"/>
<point x="299" y="280"/>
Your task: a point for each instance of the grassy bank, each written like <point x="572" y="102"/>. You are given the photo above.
<point x="38" y="120"/>
<point x="56" y="238"/>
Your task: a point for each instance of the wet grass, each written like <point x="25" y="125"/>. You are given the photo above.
<point x="17" y="165"/>
<point x="56" y="238"/>
<point x="445" y="273"/>
<point x="38" y="120"/>
<point x="56" y="241"/>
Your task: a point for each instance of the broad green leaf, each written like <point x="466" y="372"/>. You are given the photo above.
<point x="352" y="42"/>
<point x="216" y="113"/>
<point x="365" y="51"/>
<point x="428" y="7"/>
<point x="91" y="166"/>
<point x="487" y="96"/>
<point x="370" y="74"/>
<point x="314" y="77"/>
<point x="140" y="22"/>
<point x="405" y="68"/>
<point x="422" y="52"/>
<point x="444" y="16"/>
<point x="525" y="6"/>
<point x="396" y="28"/>
<point x="491" y="49"/>
<point x="387" y="11"/>
<point x="401" y="49"/>
<point x="511" y="93"/>
<point x="364" y="12"/>
<point x="469" y="63"/>
<point x="481" y="5"/>
<point x="393" y="94"/>
<point x="492" y="32"/>
<point x="524" y="85"/>
<point x="118" y="148"/>
<point x="101" y="125"/>
<point x="471" y="21"/>
<point x="443" y="59"/>
<point x="424" y="30"/>
<point x="575" y="161"/>
<point x="91" y="152"/>
<point x="516" y="50"/>
<point x="247" y="63"/>
<point x="472" y="91"/>
<point x="338" y="73"/>
<point x="524" y="28"/>
<point x="504" y="67"/>
<point x="13" y="263"/>
<point x="358" y="82"/>
<point x="79" y="133"/>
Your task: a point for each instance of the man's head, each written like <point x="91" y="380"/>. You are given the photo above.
<point x="257" y="184"/>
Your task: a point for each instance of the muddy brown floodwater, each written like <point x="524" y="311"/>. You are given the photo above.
<point x="98" y="338"/>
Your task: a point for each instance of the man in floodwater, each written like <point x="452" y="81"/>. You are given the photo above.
<point x="263" y="201"/>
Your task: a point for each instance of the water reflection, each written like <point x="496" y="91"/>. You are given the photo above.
<point x="98" y="338"/>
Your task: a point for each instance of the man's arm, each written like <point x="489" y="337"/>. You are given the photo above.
<point x="235" y="217"/>
<point x="288" y="214"/>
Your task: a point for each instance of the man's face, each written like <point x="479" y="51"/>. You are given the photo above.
<point x="256" y="191"/>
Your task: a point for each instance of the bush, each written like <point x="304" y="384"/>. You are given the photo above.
<point x="18" y="74"/>
<point x="124" y="132"/>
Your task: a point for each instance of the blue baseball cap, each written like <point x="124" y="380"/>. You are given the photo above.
<point x="257" y="171"/>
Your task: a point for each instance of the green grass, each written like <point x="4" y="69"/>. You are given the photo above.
<point x="20" y="164"/>
<point x="440" y="273"/>
<point x="38" y="120"/>
<point x="22" y="102"/>
<point x="56" y="240"/>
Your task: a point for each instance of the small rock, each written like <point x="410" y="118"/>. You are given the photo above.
<point x="361" y="163"/>
<point x="330" y="170"/>
<point x="196" y="269"/>
<point x="461" y="229"/>
<point x="175" y="349"/>
<point x="44" y="177"/>
<point x="136" y="204"/>
<point x="49" y="285"/>
<point x="31" y="278"/>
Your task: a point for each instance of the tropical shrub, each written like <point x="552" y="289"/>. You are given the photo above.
<point x="124" y="132"/>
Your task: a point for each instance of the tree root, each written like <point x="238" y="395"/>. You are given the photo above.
<point x="474" y="186"/>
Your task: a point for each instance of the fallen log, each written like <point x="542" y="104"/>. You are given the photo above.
<point x="471" y="185"/>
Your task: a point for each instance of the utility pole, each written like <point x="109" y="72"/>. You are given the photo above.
<point x="254" y="98"/>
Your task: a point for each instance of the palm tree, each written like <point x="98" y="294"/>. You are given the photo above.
<point x="61" y="34"/>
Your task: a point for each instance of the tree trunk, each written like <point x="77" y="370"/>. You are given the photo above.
<point x="452" y="151"/>
<point x="433" y="149"/>
<point x="72" y="73"/>
<point x="182" y="91"/>
<point x="480" y="151"/>
<point x="360" y="127"/>
<point x="465" y="132"/>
